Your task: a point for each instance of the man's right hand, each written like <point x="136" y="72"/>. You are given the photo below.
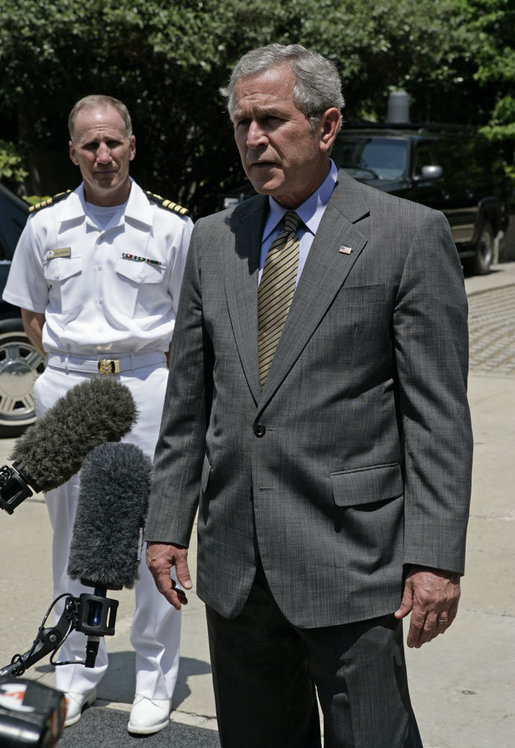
<point x="160" y="559"/>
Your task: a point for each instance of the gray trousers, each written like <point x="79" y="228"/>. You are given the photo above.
<point x="266" y="673"/>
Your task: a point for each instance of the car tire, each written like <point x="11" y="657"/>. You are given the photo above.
<point x="20" y="365"/>
<point x="481" y="262"/>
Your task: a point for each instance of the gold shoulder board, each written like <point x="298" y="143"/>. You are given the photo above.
<point x="49" y="201"/>
<point x="175" y="207"/>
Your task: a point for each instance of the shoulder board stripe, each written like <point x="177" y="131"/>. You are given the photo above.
<point x="49" y="201"/>
<point x="175" y="207"/>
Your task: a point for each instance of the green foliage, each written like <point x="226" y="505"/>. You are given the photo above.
<point x="510" y="173"/>
<point x="10" y="164"/>
<point x="167" y="62"/>
<point x="492" y="22"/>
<point x="502" y="123"/>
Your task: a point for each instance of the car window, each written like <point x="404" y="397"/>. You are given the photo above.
<point x="382" y="158"/>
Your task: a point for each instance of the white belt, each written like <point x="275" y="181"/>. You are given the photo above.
<point x="115" y="365"/>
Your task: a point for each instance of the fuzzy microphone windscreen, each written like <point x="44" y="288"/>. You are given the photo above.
<point x="111" y="510"/>
<point x="53" y="449"/>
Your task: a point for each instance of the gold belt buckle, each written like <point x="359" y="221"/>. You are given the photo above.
<point x="109" y="366"/>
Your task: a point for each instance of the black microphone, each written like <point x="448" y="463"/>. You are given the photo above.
<point x="108" y="529"/>
<point x="52" y="450"/>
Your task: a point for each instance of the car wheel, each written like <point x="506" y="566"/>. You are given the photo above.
<point x="483" y="258"/>
<point x="20" y="365"/>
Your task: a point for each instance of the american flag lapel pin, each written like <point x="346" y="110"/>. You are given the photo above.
<point x="344" y="250"/>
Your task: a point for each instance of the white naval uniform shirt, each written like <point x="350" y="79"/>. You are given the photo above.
<point x="95" y="298"/>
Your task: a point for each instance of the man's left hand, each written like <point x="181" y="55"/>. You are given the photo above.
<point x="432" y="596"/>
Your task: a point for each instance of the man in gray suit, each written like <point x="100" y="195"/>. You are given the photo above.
<point x="329" y="458"/>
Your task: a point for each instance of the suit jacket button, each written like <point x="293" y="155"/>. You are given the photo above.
<point x="259" y="430"/>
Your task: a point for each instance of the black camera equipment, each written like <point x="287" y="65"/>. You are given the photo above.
<point x="94" y="615"/>
<point x="104" y="553"/>
<point x="30" y="714"/>
<point x="33" y="714"/>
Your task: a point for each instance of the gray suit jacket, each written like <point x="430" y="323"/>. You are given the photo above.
<point x="355" y="459"/>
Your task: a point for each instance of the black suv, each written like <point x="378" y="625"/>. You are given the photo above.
<point x="442" y="166"/>
<point x="20" y="362"/>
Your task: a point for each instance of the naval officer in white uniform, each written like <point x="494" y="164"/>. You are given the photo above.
<point x="97" y="274"/>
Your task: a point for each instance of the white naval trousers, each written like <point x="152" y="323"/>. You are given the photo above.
<point x="155" y="630"/>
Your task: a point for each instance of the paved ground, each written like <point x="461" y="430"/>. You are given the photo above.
<point x="462" y="684"/>
<point x="492" y="331"/>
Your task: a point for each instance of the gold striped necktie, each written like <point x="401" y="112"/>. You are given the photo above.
<point x="276" y="291"/>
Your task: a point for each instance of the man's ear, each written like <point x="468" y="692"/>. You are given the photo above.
<point x="72" y="153"/>
<point x="329" y="127"/>
<point x="132" y="146"/>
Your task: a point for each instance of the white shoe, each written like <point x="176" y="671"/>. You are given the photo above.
<point x="75" y="703"/>
<point x="149" y="715"/>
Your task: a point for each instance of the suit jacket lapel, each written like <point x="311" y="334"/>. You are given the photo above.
<point x="241" y="265"/>
<point x="324" y="273"/>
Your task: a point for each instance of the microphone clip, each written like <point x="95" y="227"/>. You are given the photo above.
<point x="13" y="488"/>
<point x="96" y="615"/>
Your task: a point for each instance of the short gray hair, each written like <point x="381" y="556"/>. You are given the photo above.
<point x="317" y="81"/>
<point x="100" y="100"/>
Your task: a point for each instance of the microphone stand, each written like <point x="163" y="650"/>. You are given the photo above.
<point x="94" y="615"/>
